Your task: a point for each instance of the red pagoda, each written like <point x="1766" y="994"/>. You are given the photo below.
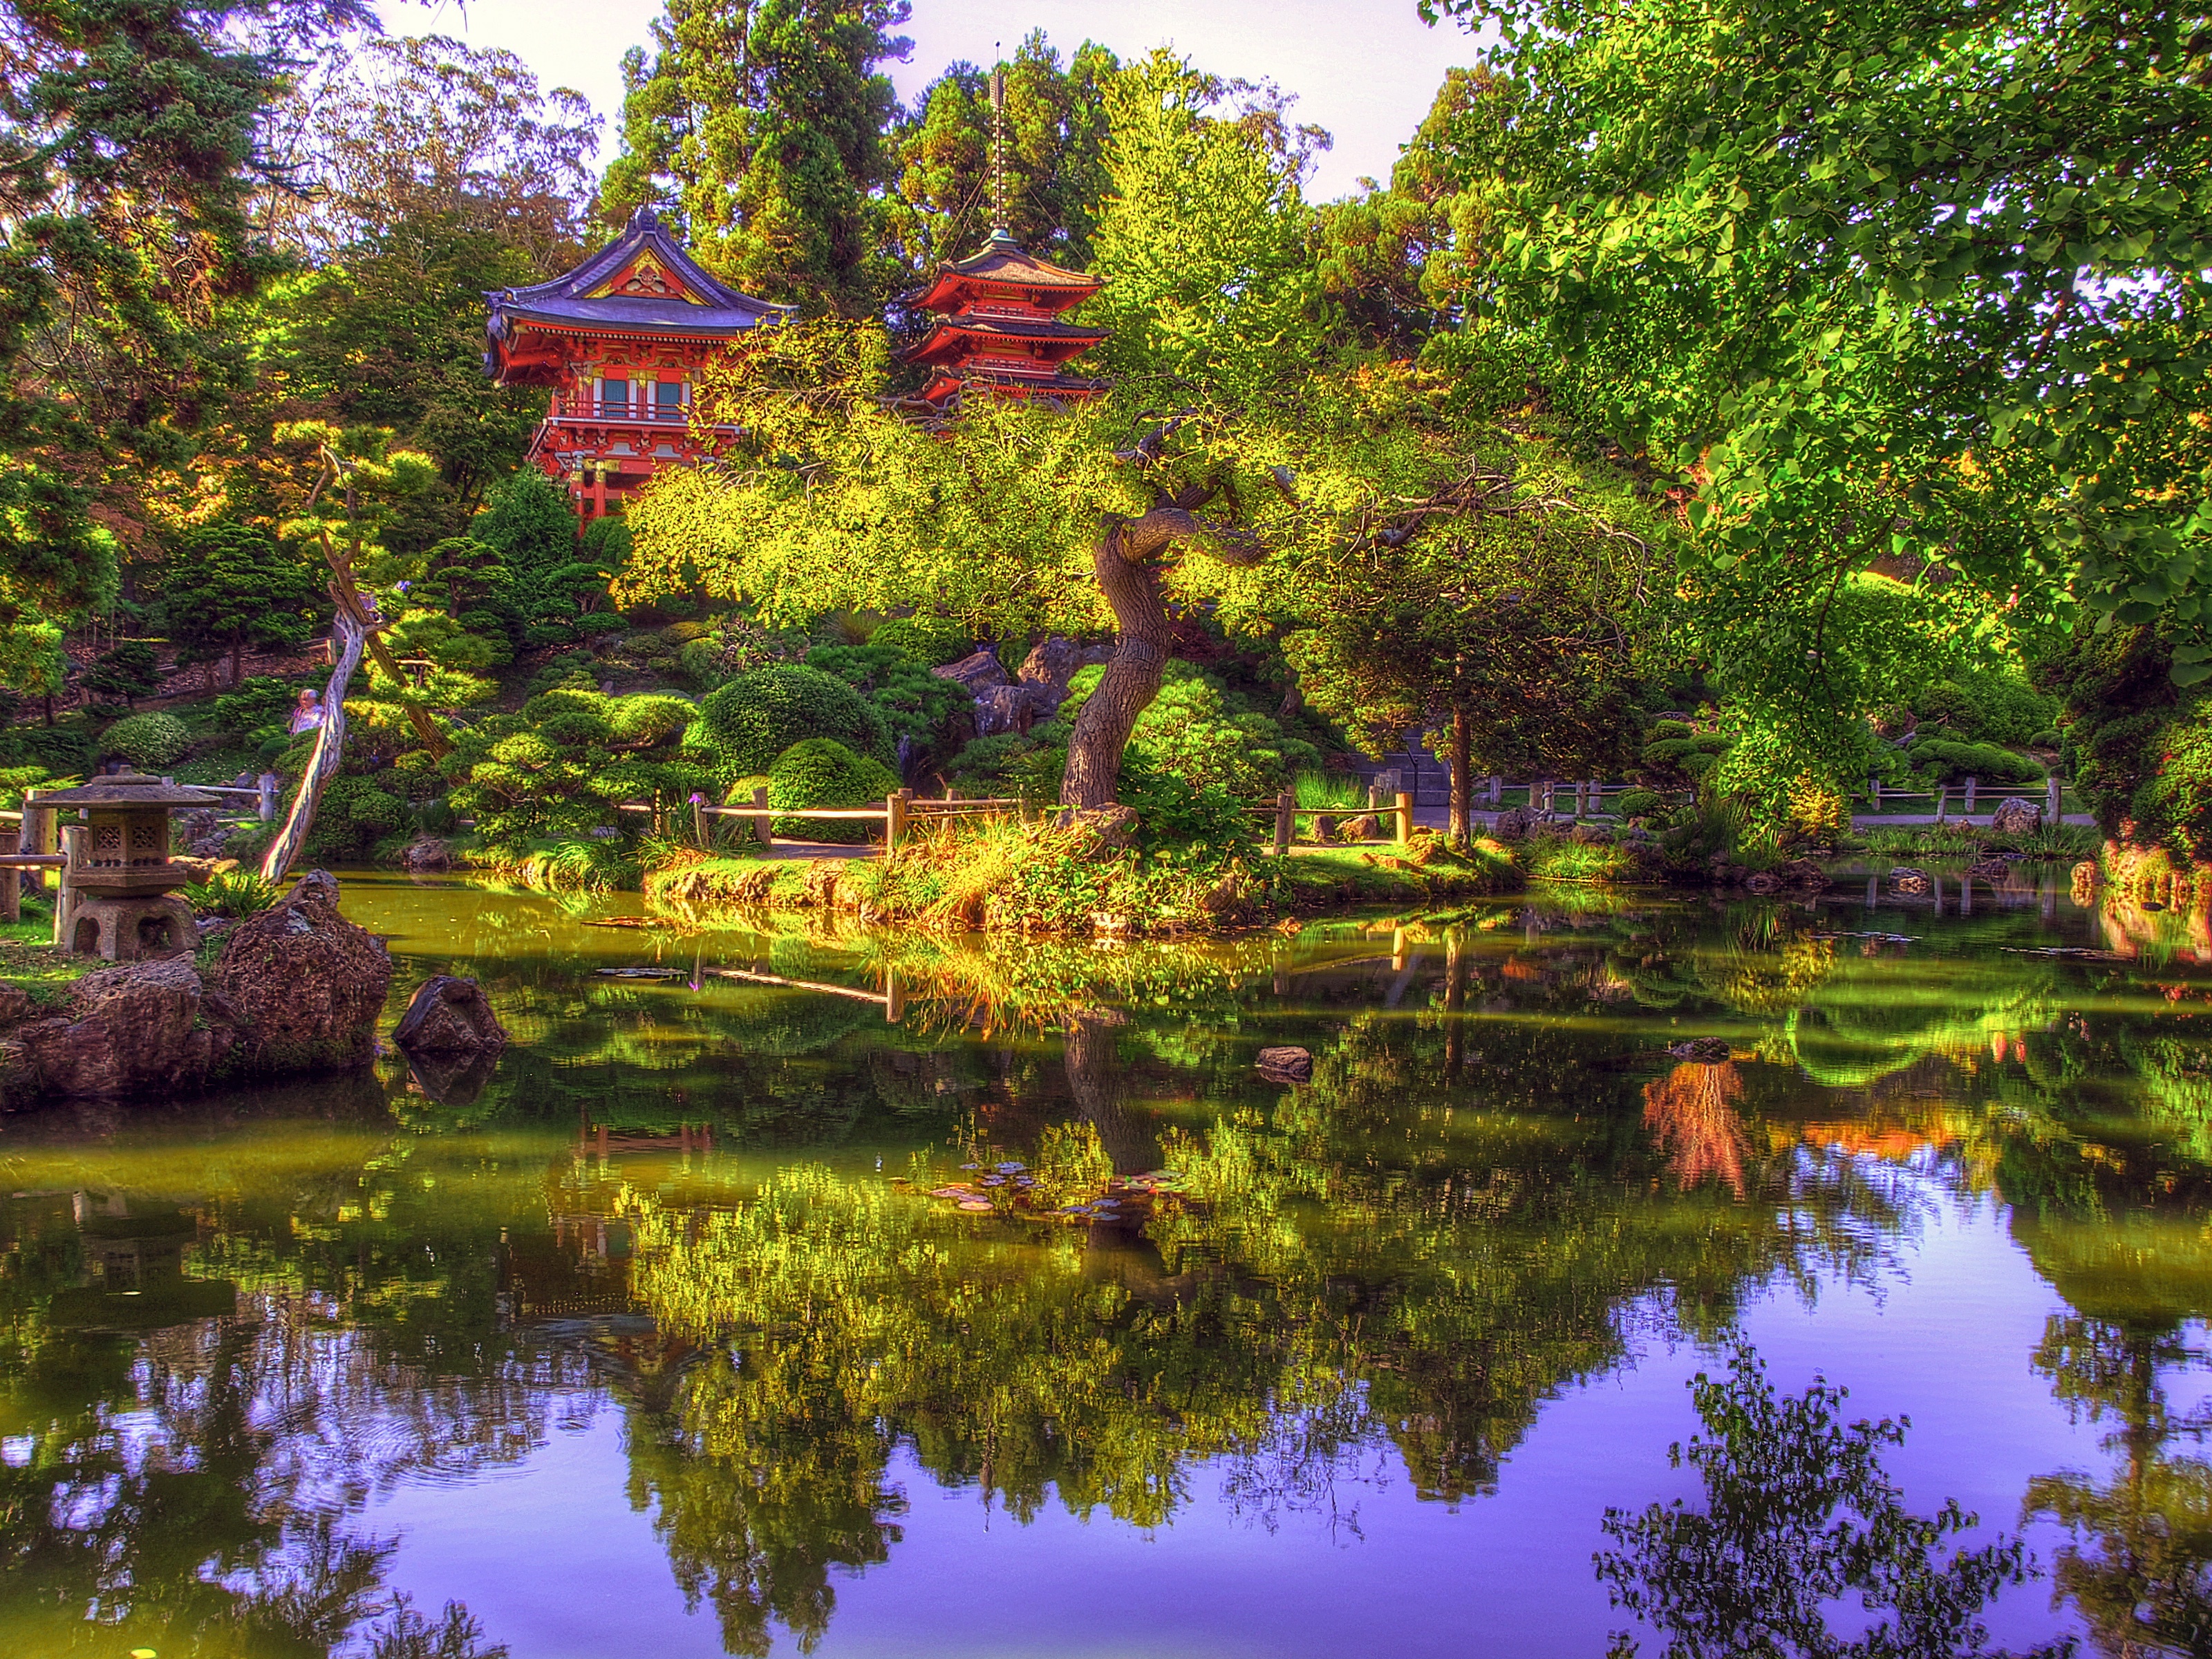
<point x="1001" y="325"/>
<point x="620" y="339"/>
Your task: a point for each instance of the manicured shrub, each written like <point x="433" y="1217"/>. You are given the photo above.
<point x="916" y="704"/>
<point x="148" y="741"/>
<point x="1197" y="731"/>
<point x="748" y="723"/>
<point x="1637" y="803"/>
<point x="822" y="772"/>
<point x="1948" y="763"/>
<point x="677" y="634"/>
<point x="1986" y="707"/>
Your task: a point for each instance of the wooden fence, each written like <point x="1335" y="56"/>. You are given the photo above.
<point x="897" y="814"/>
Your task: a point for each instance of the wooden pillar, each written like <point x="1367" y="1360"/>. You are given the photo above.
<point x="895" y="818"/>
<point x="762" y="830"/>
<point x="266" y="801"/>
<point x="1397" y="950"/>
<point x="1942" y="801"/>
<point x="11" y="881"/>
<point x="1405" y="811"/>
<point x="1874" y="793"/>
<point x="894" y="997"/>
<point x="37" y="834"/>
<point x="698" y="822"/>
<point x="1497" y="791"/>
<point x="1969" y="797"/>
<point x="65" y="900"/>
<point x="2052" y="802"/>
<point x="1283" y="802"/>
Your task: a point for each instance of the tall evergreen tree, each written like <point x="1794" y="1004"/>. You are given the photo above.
<point x="1055" y="140"/>
<point x="763" y="122"/>
<point x="127" y="154"/>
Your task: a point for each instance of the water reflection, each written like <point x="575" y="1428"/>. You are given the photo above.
<point x="697" y="1205"/>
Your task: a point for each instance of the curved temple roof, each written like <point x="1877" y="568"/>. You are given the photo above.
<point x="662" y="290"/>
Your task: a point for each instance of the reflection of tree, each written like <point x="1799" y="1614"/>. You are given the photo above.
<point x="1799" y="1517"/>
<point x="1692" y="1114"/>
<point x="2140" y="1565"/>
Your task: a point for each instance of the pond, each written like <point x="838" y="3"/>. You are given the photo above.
<point x="992" y="1302"/>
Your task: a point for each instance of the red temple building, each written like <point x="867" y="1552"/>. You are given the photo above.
<point x="620" y="339"/>
<point x="1002" y="324"/>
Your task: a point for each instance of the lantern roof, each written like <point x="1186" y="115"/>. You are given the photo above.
<point x="128" y="789"/>
<point x="643" y="281"/>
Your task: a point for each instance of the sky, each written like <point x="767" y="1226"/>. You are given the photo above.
<point x="1365" y="70"/>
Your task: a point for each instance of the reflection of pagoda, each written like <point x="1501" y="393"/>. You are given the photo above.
<point x="621" y="339"/>
<point x="1001" y="324"/>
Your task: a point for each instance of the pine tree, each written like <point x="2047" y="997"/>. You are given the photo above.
<point x="762" y="121"/>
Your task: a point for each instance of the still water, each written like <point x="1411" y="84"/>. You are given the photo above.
<point x="655" y="1339"/>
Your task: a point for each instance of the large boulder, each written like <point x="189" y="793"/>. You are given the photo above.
<point x="449" y="1015"/>
<point x="2015" y="816"/>
<point x="1013" y="708"/>
<point x="304" y="984"/>
<point x="1513" y="824"/>
<point x="140" y="1028"/>
<point x="976" y="674"/>
<point x="1052" y="665"/>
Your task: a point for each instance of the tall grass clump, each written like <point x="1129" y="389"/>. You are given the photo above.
<point x="579" y="864"/>
<point x="1320" y="789"/>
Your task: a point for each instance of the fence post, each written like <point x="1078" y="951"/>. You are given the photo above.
<point x="1874" y="793"/>
<point x="698" y="822"/>
<point x="265" y="785"/>
<point x="2051" y="790"/>
<point x="1404" y="812"/>
<point x="1497" y="791"/>
<point x="894" y="819"/>
<point x="1942" y="801"/>
<point x="762" y="831"/>
<point x="1970" y="796"/>
<point x="11" y="881"/>
<point x="1283" y="802"/>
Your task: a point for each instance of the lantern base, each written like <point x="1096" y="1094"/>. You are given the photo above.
<point x="130" y="929"/>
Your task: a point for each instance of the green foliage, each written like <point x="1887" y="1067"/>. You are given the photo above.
<point x="932" y="642"/>
<point x="561" y="764"/>
<point x="1056" y="126"/>
<point x="237" y="893"/>
<point x="357" y="812"/>
<point x="821" y="772"/>
<point x="1986" y="707"/>
<point x="746" y="725"/>
<point x="1799" y="1515"/>
<point x="2137" y="747"/>
<point x="227" y="587"/>
<point x="1197" y="731"/>
<point x="578" y="864"/>
<point x="1637" y="803"/>
<point x="1313" y="788"/>
<point x="1950" y="762"/>
<point x="129" y="672"/>
<point x="149" y="742"/>
<point x="1201" y="826"/>
<point x="553" y="586"/>
<point x="1025" y="766"/>
<point x="764" y="124"/>
<point x="1917" y="283"/>
<point x="915" y="704"/>
<point x="261" y="701"/>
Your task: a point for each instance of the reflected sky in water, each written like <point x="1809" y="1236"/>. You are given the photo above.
<point x="652" y="1338"/>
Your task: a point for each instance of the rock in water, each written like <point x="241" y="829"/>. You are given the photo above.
<point x="1292" y="1065"/>
<point x="1706" y="1051"/>
<point x="1805" y="873"/>
<point x="1590" y="835"/>
<point x="2015" y="816"/>
<point x="304" y="984"/>
<point x="1764" y="883"/>
<point x="426" y="853"/>
<point x="448" y="1015"/>
<point x="1989" y="869"/>
<point x="1906" y="880"/>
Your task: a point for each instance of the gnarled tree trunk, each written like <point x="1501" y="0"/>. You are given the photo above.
<point x="1127" y="560"/>
<point x="347" y="636"/>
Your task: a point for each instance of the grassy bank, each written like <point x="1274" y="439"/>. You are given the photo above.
<point x="29" y="961"/>
<point x="999" y="875"/>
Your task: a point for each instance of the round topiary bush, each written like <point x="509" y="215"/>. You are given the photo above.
<point x="147" y="741"/>
<point x="747" y="724"/>
<point x="822" y="772"/>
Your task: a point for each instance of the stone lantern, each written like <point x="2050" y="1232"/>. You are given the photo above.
<point x="118" y="889"/>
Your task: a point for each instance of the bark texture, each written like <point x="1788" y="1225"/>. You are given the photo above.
<point x="1461" y="831"/>
<point x="347" y="637"/>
